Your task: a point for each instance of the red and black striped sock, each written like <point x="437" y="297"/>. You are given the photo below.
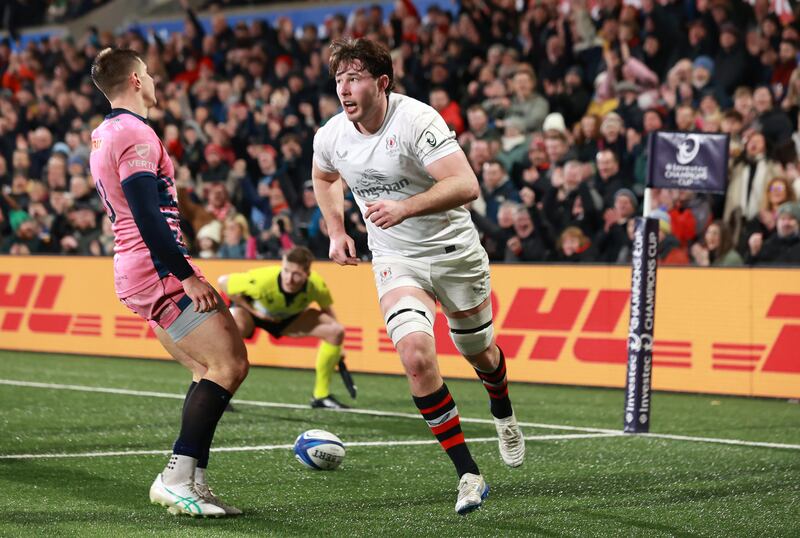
<point x="440" y="412"/>
<point x="496" y="385"/>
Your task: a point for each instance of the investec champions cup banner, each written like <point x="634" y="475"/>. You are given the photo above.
<point x="689" y="161"/>
<point x="727" y="331"/>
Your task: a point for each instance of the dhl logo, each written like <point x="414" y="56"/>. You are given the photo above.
<point x="579" y="321"/>
<point x="552" y="329"/>
<point x="35" y="311"/>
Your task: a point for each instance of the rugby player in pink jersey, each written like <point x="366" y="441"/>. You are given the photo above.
<point x="155" y="278"/>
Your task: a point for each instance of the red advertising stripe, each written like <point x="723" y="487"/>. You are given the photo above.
<point x="85" y="333"/>
<point x="354" y="348"/>
<point x="726" y="356"/>
<point x="127" y="335"/>
<point x="354" y="328"/>
<point x="736" y="367"/>
<point x="738" y="347"/>
<point x="11" y="321"/>
<point x="785" y="305"/>
<point x="49" y="323"/>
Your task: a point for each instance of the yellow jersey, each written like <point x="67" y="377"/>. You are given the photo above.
<point x="263" y="287"/>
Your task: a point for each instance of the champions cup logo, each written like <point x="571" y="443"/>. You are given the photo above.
<point x="430" y="138"/>
<point x="688" y="149"/>
<point x="637" y="343"/>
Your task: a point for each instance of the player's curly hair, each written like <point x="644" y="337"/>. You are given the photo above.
<point x="111" y="68"/>
<point x="372" y="57"/>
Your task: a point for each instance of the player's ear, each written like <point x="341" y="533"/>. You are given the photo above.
<point x="135" y="80"/>
<point x="383" y="83"/>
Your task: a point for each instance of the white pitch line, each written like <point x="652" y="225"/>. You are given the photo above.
<point x="394" y="414"/>
<point x="259" y="448"/>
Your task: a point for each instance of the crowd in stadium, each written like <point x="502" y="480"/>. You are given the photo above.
<point x="552" y="107"/>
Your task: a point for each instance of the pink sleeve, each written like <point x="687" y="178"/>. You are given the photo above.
<point x="641" y="72"/>
<point x="137" y="153"/>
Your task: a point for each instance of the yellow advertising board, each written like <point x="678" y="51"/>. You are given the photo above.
<point x="726" y="331"/>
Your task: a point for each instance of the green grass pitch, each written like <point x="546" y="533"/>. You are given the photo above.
<point x="582" y="483"/>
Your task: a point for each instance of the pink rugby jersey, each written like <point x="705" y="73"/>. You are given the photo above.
<point x="125" y="148"/>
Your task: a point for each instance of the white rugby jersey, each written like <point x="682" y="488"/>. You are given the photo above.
<point x="390" y="165"/>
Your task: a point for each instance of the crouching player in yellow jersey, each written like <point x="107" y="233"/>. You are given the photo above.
<point x="277" y="300"/>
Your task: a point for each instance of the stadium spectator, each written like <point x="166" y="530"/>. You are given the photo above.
<point x="772" y="122"/>
<point x="527" y="244"/>
<point x="608" y="180"/>
<point x="573" y="246"/>
<point x="777" y="191"/>
<point x="612" y="240"/>
<point x="670" y="251"/>
<point x="716" y="249"/>
<point x="570" y="201"/>
<point x="783" y="247"/>
<point x="608" y="77"/>
<point x="747" y="183"/>
<point x="496" y="188"/>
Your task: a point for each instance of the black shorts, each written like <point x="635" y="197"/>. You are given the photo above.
<point x="275" y="328"/>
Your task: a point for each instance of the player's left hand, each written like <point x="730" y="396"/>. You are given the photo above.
<point x="386" y="213"/>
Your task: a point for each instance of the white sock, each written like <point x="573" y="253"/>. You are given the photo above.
<point x="200" y="476"/>
<point x="179" y="470"/>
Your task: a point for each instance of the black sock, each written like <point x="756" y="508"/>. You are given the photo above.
<point x="202" y="410"/>
<point x="496" y="385"/>
<point x="188" y="393"/>
<point x="440" y="412"/>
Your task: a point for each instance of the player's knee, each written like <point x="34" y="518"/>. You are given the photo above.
<point x="474" y="334"/>
<point x="408" y="316"/>
<point x="417" y="354"/>
<point x="239" y="367"/>
<point x="335" y="334"/>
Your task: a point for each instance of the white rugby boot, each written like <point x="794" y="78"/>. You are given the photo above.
<point x="208" y="496"/>
<point x="510" y="440"/>
<point x="472" y="490"/>
<point x="204" y="490"/>
<point x="183" y="499"/>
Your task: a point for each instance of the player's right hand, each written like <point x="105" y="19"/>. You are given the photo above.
<point x="201" y="294"/>
<point x="343" y="250"/>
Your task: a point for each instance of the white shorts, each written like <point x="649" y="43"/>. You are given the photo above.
<point x="459" y="282"/>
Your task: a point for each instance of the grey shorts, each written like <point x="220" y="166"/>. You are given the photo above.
<point x="189" y="320"/>
<point x="459" y="282"/>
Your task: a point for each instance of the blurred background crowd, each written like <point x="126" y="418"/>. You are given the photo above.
<point x="551" y="101"/>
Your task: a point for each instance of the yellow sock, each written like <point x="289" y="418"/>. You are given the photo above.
<point x="327" y="358"/>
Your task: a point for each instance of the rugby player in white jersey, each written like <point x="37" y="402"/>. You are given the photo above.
<point x="410" y="180"/>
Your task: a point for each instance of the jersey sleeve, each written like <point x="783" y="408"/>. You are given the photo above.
<point x="433" y="138"/>
<point x="322" y="295"/>
<point x="137" y="153"/>
<point x="242" y="284"/>
<point x="322" y="151"/>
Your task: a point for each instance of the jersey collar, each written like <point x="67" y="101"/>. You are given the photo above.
<point x="117" y="111"/>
